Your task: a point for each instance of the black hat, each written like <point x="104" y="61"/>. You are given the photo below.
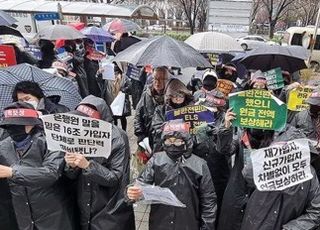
<point x="20" y="113"/>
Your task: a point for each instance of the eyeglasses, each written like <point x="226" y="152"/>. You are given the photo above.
<point x="174" y="141"/>
<point x="178" y="96"/>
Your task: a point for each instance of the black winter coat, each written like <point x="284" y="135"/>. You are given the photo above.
<point x="244" y="207"/>
<point x="50" y="105"/>
<point x="189" y="179"/>
<point x="78" y="69"/>
<point x="101" y="189"/>
<point x="91" y="67"/>
<point x="144" y="114"/>
<point x="38" y="199"/>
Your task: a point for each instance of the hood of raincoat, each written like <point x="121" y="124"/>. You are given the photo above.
<point x="175" y="86"/>
<point x="97" y="104"/>
<point x="179" y="134"/>
<point x="20" y="113"/>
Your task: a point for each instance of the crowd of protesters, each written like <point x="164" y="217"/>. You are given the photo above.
<point x="41" y="189"/>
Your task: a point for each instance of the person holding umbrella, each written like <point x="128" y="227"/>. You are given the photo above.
<point x="32" y="172"/>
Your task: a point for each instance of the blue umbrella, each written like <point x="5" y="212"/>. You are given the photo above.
<point x="6" y="19"/>
<point x="97" y="34"/>
<point x="50" y="84"/>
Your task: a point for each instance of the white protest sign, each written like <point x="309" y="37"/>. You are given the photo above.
<point x="281" y="166"/>
<point x="108" y="71"/>
<point x="157" y="195"/>
<point x="73" y="133"/>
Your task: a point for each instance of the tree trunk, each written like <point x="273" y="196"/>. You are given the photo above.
<point x="191" y="29"/>
<point x="272" y="25"/>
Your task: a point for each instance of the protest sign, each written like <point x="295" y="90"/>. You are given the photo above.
<point x="72" y="133"/>
<point x="194" y="116"/>
<point x="297" y="97"/>
<point x="225" y="86"/>
<point x="281" y="166"/>
<point x="7" y="56"/>
<point x="274" y="79"/>
<point x="157" y="195"/>
<point x="258" y="109"/>
<point x="34" y="51"/>
<point x="108" y="71"/>
<point x="133" y="72"/>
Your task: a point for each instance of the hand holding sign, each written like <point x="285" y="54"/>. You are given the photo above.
<point x="258" y="109"/>
<point x="77" y="134"/>
<point x="229" y="117"/>
<point x="76" y="160"/>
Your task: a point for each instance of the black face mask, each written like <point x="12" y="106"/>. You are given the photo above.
<point x="17" y="132"/>
<point x="176" y="106"/>
<point x="209" y="87"/>
<point x="175" y="152"/>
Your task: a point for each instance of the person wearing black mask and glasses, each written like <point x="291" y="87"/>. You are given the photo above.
<point x="176" y="96"/>
<point x="187" y="176"/>
<point x="32" y="173"/>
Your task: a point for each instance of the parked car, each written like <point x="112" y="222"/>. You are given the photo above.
<point x="302" y="36"/>
<point x="251" y="42"/>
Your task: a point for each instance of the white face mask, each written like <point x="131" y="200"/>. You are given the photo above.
<point x="33" y="103"/>
<point x="212" y="109"/>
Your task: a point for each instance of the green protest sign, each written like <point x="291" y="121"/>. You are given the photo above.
<point x="274" y="79"/>
<point x="258" y="109"/>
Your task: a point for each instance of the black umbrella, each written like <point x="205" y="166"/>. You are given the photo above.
<point x="6" y="19"/>
<point x="288" y="58"/>
<point x="51" y="85"/>
<point x="162" y="51"/>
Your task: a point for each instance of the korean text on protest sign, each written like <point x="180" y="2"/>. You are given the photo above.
<point x="258" y="109"/>
<point x="7" y="56"/>
<point x="297" y="97"/>
<point x="194" y="116"/>
<point x="73" y="133"/>
<point x="225" y="86"/>
<point x="274" y="79"/>
<point x="133" y="72"/>
<point x="281" y="166"/>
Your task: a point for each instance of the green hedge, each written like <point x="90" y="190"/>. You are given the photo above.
<point x="181" y="36"/>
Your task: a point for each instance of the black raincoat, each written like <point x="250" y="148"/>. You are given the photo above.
<point x="38" y="199"/>
<point x="78" y="69"/>
<point x="244" y="207"/>
<point x="189" y="179"/>
<point x="91" y="67"/>
<point x="50" y="105"/>
<point x="144" y="114"/>
<point x="101" y="187"/>
<point x="218" y="163"/>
